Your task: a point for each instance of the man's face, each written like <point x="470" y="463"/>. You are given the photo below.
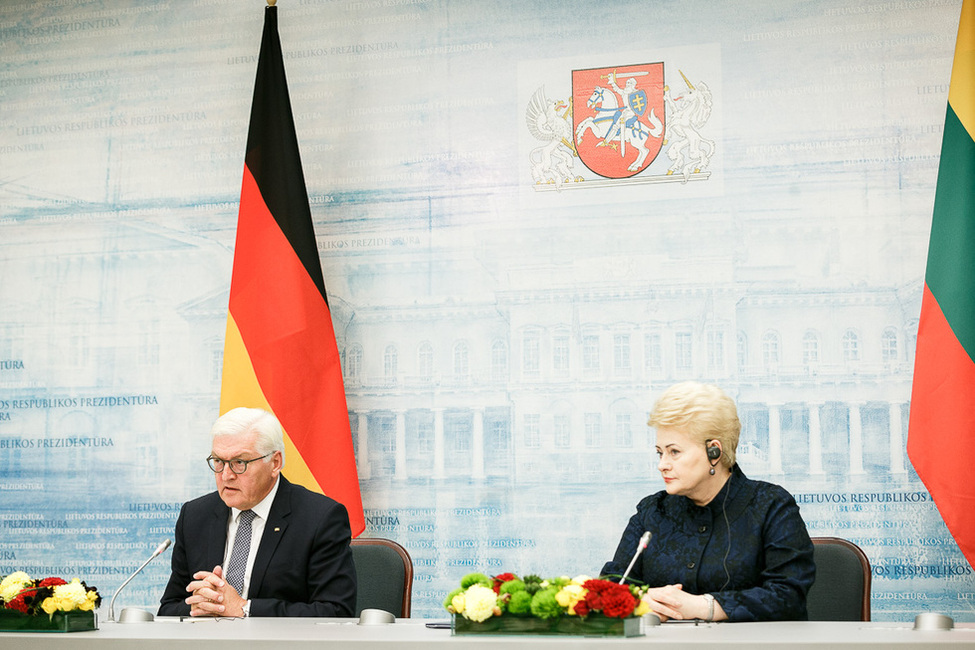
<point x="244" y="491"/>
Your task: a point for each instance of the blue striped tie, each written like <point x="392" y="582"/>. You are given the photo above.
<point x="242" y="546"/>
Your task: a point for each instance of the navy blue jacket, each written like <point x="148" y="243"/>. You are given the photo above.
<point x="769" y="567"/>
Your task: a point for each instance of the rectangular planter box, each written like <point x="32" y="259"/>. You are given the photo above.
<point x="14" y="621"/>
<point x="593" y="625"/>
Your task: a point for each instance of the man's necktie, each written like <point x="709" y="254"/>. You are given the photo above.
<point x="242" y="546"/>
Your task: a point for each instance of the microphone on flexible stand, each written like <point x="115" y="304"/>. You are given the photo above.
<point x="650" y="618"/>
<point x="129" y="614"/>
<point x="644" y="542"/>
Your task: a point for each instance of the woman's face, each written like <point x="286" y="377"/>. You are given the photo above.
<point x="684" y="465"/>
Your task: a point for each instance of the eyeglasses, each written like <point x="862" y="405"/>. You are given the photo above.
<point x="237" y="465"/>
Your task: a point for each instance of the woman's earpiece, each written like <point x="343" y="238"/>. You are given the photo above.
<point x="714" y="453"/>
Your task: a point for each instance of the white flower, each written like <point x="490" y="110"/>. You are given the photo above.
<point x="13" y="584"/>
<point x="479" y="603"/>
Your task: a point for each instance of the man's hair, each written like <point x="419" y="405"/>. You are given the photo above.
<point x="241" y="421"/>
<point x="704" y="412"/>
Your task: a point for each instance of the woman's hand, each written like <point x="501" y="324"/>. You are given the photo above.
<point x="673" y="602"/>
<point x="666" y="602"/>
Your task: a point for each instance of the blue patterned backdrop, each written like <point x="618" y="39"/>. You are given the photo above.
<point x="506" y="315"/>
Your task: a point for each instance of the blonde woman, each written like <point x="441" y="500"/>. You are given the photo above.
<point x="722" y="546"/>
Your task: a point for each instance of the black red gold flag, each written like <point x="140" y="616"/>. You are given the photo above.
<point x="280" y="351"/>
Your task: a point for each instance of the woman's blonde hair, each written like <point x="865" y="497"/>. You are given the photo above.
<point x="704" y="412"/>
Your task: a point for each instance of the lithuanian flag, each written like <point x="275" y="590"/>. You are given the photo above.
<point x="941" y="434"/>
<point x="280" y="352"/>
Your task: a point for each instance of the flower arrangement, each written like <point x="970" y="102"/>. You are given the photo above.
<point x="21" y="593"/>
<point x="480" y="597"/>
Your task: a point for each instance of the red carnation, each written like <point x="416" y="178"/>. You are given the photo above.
<point x="594" y="600"/>
<point x="581" y="608"/>
<point x="618" y="604"/>
<point x="601" y="586"/>
<point x="51" y="582"/>
<point x="502" y="578"/>
<point x="595" y="590"/>
<point x="612" y="599"/>
<point x="18" y="602"/>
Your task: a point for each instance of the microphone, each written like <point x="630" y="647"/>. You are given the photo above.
<point x="141" y="615"/>
<point x="644" y="542"/>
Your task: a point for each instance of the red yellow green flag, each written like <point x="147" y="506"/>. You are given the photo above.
<point x="280" y="351"/>
<point x="941" y="434"/>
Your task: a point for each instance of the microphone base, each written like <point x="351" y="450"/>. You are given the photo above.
<point x="135" y="615"/>
<point x="932" y="621"/>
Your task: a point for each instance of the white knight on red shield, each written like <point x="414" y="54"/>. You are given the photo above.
<point x="618" y="116"/>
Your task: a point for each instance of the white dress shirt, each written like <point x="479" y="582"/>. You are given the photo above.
<point x="261" y="510"/>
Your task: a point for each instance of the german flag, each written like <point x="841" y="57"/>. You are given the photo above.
<point x="280" y="352"/>
<point x="941" y="434"/>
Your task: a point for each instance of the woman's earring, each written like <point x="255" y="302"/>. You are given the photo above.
<point x="711" y="472"/>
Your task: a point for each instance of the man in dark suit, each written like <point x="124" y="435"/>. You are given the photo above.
<point x="259" y="545"/>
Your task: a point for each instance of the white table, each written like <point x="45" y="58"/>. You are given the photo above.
<point x="412" y="634"/>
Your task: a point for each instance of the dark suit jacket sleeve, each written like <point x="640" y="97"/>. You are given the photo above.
<point x="311" y="572"/>
<point x="172" y="603"/>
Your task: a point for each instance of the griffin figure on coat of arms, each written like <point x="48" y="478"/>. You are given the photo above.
<point x="551" y="162"/>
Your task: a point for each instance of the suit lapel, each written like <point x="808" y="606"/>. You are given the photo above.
<point x="277" y="523"/>
<point x="217" y="535"/>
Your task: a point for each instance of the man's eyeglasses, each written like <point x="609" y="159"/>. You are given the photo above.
<point x="237" y="465"/>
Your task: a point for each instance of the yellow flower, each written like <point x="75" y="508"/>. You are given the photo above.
<point x="50" y="605"/>
<point x="479" y="603"/>
<point x="457" y="602"/>
<point x="581" y="580"/>
<point x="642" y="608"/>
<point x="70" y="596"/>
<point x="13" y="584"/>
<point x="569" y="595"/>
<point x="90" y="599"/>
